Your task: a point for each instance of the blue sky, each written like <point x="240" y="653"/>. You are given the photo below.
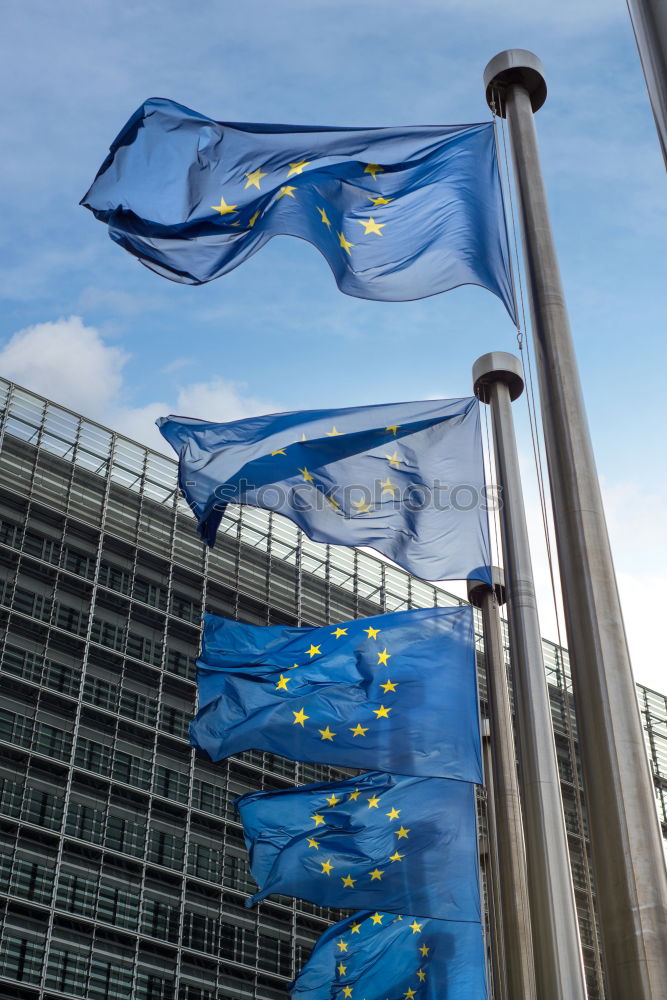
<point x="85" y="324"/>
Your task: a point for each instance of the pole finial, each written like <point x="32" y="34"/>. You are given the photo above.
<point x="498" y="366"/>
<point x="514" y="66"/>
<point x="477" y="589"/>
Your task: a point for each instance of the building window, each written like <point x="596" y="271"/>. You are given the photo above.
<point x="109" y="982"/>
<point x="66" y="972"/>
<point x="21" y="959"/>
<point x="76" y="894"/>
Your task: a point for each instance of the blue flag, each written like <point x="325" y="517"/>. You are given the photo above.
<point x="395" y="692"/>
<point x="398" y="213"/>
<point x="406" y="479"/>
<point x="406" y="845"/>
<point x="375" y="955"/>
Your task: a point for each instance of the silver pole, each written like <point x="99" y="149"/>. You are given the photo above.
<point x="496" y="929"/>
<point x="649" y="21"/>
<point x="517" y="971"/>
<point x="559" y="967"/>
<point x="631" y="881"/>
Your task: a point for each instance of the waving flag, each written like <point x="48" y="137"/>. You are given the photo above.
<point x="406" y="479"/>
<point x="406" y="845"/>
<point x="396" y="692"/>
<point x="398" y="213"/>
<point x="376" y="955"/>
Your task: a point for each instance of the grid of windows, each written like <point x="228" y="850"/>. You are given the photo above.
<point x="122" y="865"/>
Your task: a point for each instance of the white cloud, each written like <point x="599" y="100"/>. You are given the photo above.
<point x="72" y="364"/>
<point x="68" y="362"/>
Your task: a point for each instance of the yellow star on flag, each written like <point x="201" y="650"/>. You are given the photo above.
<point x="361" y="506"/>
<point x="278" y="451"/>
<point x="380" y="201"/>
<point x="372" y="633"/>
<point x="359" y="730"/>
<point x="371" y="226"/>
<point x="326" y="734"/>
<point x="313" y="843"/>
<point x="355" y="794"/>
<point x="342" y="969"/>
<point x="376" y="875"/>
<point x="334" y="432"/>
<point x="325" y="218"/>
<point x="421" y="974"/>
<point x="373" y="802"/>
<point x="356" y="928"/>
<point x="396" y="856"/>
<point x="389" y="686"/>
<point x="282" y="683"/>
<point x="334" y="503"/>
<point x="424" y="950"/>
<point x="286" y="190"/>
<point x="339" y="632"/>
<point x="377" y="918"/>
<point x="393" y="428"/>
<point x="318" y="819"/>
<point x="313" y="651"/>
<point x="393" y="460"/>
<point x="296" y="168"/>
<point x="333" y="801"/>
<point x="306" y="475"/>
<point x="347" y="991"/>
<point x="254" y="178"/>
<point x="402" y="833"/>
<point x="409" y="993"/>
<point x="348" y="881"/>
<point x="294" y="666"/>
<point x="224" y="208"/>
<point x="342" y="945"/>
<point x="416" y="928"/>
<point x="345" y="244"/>
<point x="299" y="717"/>
<point x="251" y="222"/>
<point x="373" y="169"/>
<point x="382" y="712"/>
<point x="388" y="486"/>
<point x="384" y="657"/>
<point x="394" y="814"/>
<point x="327" y="867"/>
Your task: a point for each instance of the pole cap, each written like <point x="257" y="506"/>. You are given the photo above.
<point x="498" y="366"/>
<point x="477" y="589"/>
<point x="515" y="66"/>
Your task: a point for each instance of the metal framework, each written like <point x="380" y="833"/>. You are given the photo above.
<point x="122" y="868"/>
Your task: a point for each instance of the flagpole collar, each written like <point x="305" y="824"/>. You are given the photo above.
<point x="514" y="66"/>
<point x="477" y="589"/>
<point x="497" y="366"/>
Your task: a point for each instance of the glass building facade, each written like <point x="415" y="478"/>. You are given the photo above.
<point x="123" y="872"/>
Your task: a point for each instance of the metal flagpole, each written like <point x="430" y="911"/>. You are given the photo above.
<point x="559" y="969"/>
<point x="518" y="972"/>
<point x="496" y="934"/>
<point x="649" y="21"/>
<point x="631" y="881"/>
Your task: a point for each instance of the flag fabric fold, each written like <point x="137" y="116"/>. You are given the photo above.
<point x="403" y="844"/>
<point x="395" y="692"/>
<point x="377" y="955"/>
<point x="398" y="213"/>
<point x="406" y="479"/>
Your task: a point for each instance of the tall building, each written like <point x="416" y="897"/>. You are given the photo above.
<point x="123" y="872"/>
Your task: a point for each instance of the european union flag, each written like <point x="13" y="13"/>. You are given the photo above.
<point x="396" y="692"/>
<point x="406" y="845"/>
<point x="398" y="213"/>
<point x="376" y="955"/>
<point x="406" y="479"/>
